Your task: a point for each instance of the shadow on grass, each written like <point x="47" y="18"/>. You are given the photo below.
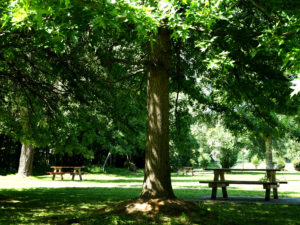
<point x="82" y="205"/>
<point x="255" y="213"/>
<point x="41" y="205"/>
<point x="67" y="179"/>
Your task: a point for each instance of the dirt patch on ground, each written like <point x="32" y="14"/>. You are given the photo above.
<point x="156" y="210"/>
<point x="153" y="206"/>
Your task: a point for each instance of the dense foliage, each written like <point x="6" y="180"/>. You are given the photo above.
<point x="73" y="75"/>
<point x="297" y="164"/>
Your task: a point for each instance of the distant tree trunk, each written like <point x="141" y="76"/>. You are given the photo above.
<point x="157" y="178"/>
<point x="269" y="156"/>
<point x="26" y="161"/>
<point x="108" y="155"/>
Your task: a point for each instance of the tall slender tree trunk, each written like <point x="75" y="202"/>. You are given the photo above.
<point x="157" y="178"/>
<point x="269" y="156"/>
<point x="107" y="157"/>
<point x="26" y="161"/>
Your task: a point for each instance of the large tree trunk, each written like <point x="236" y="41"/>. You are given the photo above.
<point x="157" y="178"/>
<point x="269" y="157"/>
<point x="26" y="161"/>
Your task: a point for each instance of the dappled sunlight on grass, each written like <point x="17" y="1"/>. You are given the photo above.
<point x="39" y="200"/>
<point x="233" y="213"/>
<point x="135" y="180"/>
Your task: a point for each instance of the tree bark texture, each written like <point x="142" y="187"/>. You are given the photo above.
<point x="26" y="161"/>
<point x="269" y="156"/>
<point x="157" y="178"/>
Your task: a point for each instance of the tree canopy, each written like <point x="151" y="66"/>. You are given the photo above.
<point x="72" y="65"/>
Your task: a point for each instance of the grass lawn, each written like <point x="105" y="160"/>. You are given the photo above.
<point x="39" y="200"/>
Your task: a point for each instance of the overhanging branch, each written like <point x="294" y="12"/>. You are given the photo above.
<point x="125" y="77"/>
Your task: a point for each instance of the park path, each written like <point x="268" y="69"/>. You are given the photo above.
<point x="247" y="199"/>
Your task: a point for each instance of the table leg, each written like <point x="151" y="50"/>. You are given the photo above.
<point x="79" y="173"/>
<point x="275" y="193"/>
<point x="267" y="197"/>
<point x="54" y="175"/>
<point x="61" y="175"/>
<point x="216" y="175"/>
<point x="224" y="191"/>
<point x="271" y="176"/>
<point x="214" y="193"/>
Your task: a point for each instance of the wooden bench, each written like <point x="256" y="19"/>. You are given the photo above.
<point x="266" y="185"/>
<point x="185" y="170"/>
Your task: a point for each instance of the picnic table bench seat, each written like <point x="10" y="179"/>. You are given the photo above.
<point x="58" y="172"/>
<point x="266" y="185"/>
<point x="77" y="173"/>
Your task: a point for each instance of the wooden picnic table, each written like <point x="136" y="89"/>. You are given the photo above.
<point x="219" y="181"/>
<point x="185" y="170"/>
<point x="59" y="170"/>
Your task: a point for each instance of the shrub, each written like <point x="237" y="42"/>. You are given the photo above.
<point x="280" y="164"/>
<point x="204" y="160"/>
<point x="193" y="162"/>
<point x="228" y="157"/>
<point x="93" y="169"/>
<point x="131" y="166"/>
<point x="255" y="161"/>
<point x="297" y="164"/>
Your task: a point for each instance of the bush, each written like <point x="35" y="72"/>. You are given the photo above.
<point x="228" y="157"/>
<point x="204" y="160"/>
<point x="93" y="169"/>
<point x="255" y="161"/>
<point x="297" y="164"/>
<point x="280" y="164"/>
<point x="131" y="166"/>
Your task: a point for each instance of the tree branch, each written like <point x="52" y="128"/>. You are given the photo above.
<point x="127" y="62"/>
<point x="261" y="9"/>
<point x="125" y="77"/>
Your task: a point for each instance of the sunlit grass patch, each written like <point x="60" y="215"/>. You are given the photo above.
<point x="39" y="200"/>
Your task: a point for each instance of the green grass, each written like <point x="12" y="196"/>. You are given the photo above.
<point x="80" y="202"/>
